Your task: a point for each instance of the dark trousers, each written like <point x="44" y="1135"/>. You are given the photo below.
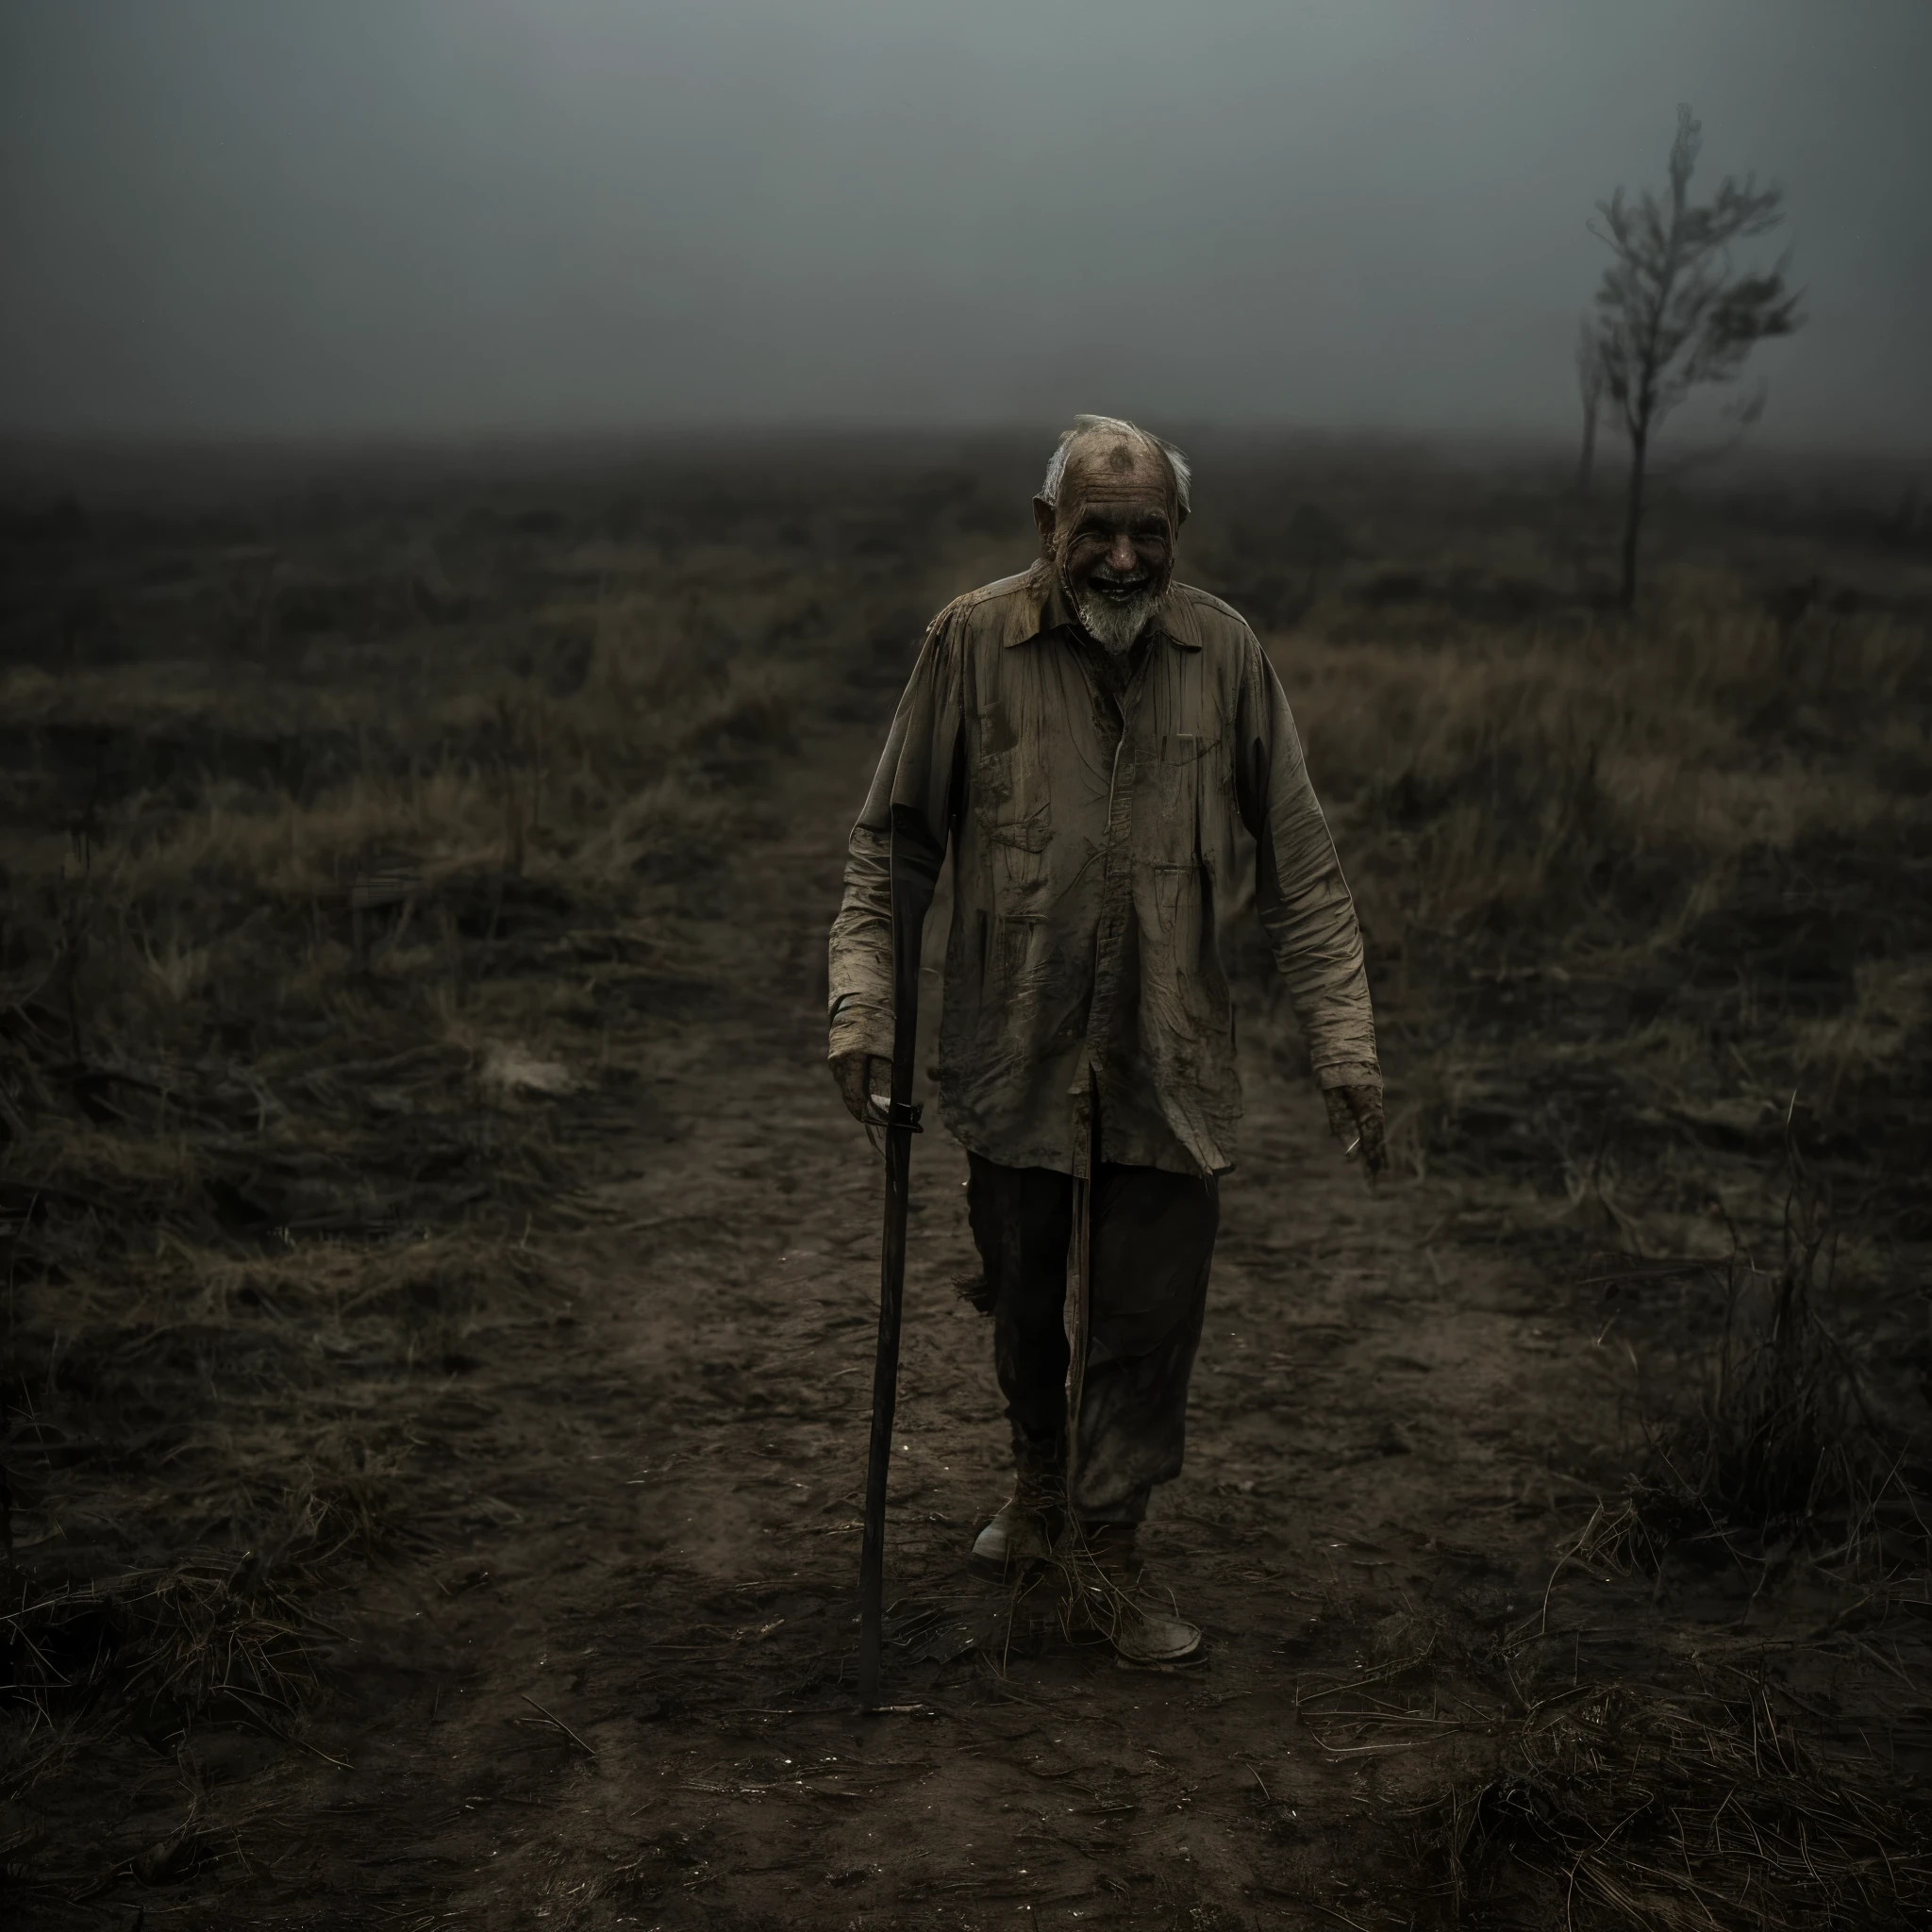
<point x="1153" y="1240"/>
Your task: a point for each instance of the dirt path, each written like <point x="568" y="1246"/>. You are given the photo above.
<point x="623" y="1694"/>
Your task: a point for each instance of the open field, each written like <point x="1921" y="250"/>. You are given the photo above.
<point x="440" y="1276"/>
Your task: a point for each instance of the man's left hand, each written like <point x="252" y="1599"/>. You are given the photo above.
<point x="1355" y="1118"/>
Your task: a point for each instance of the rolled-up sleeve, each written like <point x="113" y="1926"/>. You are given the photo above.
<point x="915" y="780"/>
<point x="1306" y="910"/>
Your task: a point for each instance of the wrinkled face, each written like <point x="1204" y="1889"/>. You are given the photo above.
<point x="1113" y="529"/>
<point x="1111" y="535"/>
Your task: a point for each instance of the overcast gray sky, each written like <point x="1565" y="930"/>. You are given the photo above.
<point x="504" y="215"/>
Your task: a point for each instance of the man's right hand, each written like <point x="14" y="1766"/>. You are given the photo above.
<point x="859" y="1076"/>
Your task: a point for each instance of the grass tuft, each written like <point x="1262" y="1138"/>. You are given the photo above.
<point x="1693" y="1812"/>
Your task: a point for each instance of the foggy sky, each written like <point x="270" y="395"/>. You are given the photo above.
<point x="372" y="216"/>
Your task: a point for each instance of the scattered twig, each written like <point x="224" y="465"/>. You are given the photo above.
<point x="550" y="1718"/>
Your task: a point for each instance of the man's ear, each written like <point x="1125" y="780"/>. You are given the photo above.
<point x="1045" y="518"/>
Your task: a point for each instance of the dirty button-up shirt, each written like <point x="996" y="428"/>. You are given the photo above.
<point x="1093" y="841"/>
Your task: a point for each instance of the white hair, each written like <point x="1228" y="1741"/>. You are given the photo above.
<point x="1177" y="465"/>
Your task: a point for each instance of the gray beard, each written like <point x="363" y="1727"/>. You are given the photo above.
<point x="1116" y="627"/>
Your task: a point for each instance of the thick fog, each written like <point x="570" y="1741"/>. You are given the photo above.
<point x="535" y="215"/>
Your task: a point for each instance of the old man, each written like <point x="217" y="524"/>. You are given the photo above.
<point x="1089" y="739"/>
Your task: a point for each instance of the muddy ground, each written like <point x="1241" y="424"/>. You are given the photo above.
<point x="440" y="1316"/>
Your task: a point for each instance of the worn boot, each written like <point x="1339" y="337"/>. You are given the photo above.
<point x="1141" y="1636"/>
<point x="1024" y="1530"/>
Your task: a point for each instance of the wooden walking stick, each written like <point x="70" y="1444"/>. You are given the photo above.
<point x="1079" y="1303"/>
<point x="914" y="869"/>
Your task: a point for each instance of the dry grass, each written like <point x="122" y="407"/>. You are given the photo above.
<point x="1697" y="1811"/>
<point x="288" y="1079"/>
<point x="337" y="855"/>
<point x="324" y="892"/>
<point x="1778" y="1445"/>
<point x="1518" y="782"/>
<point x="1650" y="908"/>
<point x="1690" y="859"/>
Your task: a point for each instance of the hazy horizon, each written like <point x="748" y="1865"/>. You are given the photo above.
<point x="499" y="221"/>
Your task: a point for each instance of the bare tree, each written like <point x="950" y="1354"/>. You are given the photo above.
<point x="1590" y="389"/>
<point x="1673" y="311"/>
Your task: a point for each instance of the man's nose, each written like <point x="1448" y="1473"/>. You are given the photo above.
<point x="1123" y="559"/>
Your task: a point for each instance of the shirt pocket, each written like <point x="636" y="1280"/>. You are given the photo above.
<point x="1169" y="824"/>
<point x="1015" y="819"/>
<point x="1177" y="893"/>
<point x="1018" y="947"/>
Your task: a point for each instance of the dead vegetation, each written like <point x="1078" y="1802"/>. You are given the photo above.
<point x="1650" y="909"/>
<point x="1650" y="848"/>
<point x="361" y="863"/>
<point x="324" y="897"/>
<point x="1708" y="1808"/>
<point x="1776" y="1446"/>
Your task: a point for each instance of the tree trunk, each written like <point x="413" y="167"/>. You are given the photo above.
<point x="1633" y="517"/>
<point x="1586" y="463"/>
